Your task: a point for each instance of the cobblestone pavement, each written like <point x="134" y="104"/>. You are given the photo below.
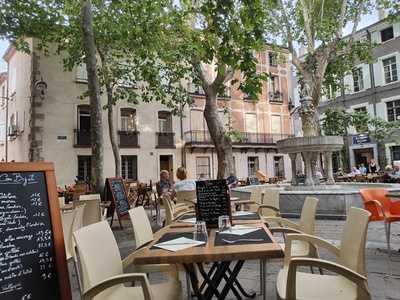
<point x="383" y="275"/>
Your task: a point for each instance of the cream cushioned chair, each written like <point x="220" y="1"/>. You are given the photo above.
<point x="102" y="269"/>
<point x="306" y="225"/>
<point x="350" y="284"/>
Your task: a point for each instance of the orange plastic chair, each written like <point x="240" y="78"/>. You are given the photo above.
<point x="382" y="209"/>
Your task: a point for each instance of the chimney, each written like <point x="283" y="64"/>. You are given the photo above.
<point x="382" y="14"/>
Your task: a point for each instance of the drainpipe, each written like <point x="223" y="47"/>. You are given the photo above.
<point x="7" y="98"/>
<point x="372" y="77"/>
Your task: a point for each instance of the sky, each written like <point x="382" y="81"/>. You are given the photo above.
<point x="365" y="21"/>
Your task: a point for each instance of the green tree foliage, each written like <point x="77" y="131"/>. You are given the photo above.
<point x="338" y="121"/>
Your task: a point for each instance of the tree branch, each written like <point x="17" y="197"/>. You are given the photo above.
<point x="356" y="20"/>
<point x="307" y="27"/>
<point x="339" y="29"/>
<point x="289" y="37"/>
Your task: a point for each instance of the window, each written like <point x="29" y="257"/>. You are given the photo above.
<point x="164" y="121"/>
<point x="272" y="58"/>
<point x="390" y="69"/>
<point x="225" y="118"/>
<point x="251" y="123"/>
<point x="81" y="73"/>
<point x="274" y="92"/>
<point x="387" y="34"/>
<point x="128" y="119"/>
<point x="203" y="167"/>
<point x="3" y="95"/>
<point x="84" y="167"/>
<point x="395" y="150"/>
<point x="84" y="117"/>
<point x="361" y="109"/>
<point x="358" y="81"/>
<point x="129" y="167"/>
<point x="393" y="110"/>
<point x="252" y="165"/>
<point x="279" y="167"/>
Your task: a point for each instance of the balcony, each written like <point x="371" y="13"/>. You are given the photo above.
<point x="165" y="140"/>
<point x="246" y="138"/>
<point x="275" y="97"/>
<point x="128" y="139"/>
<point x="81" y="138"/>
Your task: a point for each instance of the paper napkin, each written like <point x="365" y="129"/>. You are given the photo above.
<point x="179" y="244"/>
<point x="240" y="230"/>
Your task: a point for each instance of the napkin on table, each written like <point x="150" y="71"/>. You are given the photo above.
<point x="179" y="244"/>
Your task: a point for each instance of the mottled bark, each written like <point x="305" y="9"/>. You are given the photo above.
<point x="96" y="134"/>
<point x="222" y="142"/>
<point x="111" y="130"/>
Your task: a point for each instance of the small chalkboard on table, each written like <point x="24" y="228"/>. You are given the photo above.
<point x="32" y="253"/>
<point x="116" y="193"/>
<point x="212" y="201"/>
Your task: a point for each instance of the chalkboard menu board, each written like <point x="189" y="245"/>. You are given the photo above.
<point x="212" y="201"/>
<point x="117" y="195"/>
<point x="32" y="253"/>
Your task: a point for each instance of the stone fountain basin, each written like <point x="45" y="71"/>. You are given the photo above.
<point x="334" y="200"/>
<point x="310" y="144"/>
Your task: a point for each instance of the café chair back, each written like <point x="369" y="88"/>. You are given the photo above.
<point x="102" y="271"/>
<point x="172" y="211"/>
<point x="382" y="209"/>
<point x="92" y="213"/>
<point x="61" y="201"/>
<point x="67" y="220"/>
<point x="306" y="225"/>
<point x="270" y="203"/>
<point x="78" y="220"/>
<point x="141" y="226"/>
<point x="350" y="283"/>
<point x="186" y="197"/>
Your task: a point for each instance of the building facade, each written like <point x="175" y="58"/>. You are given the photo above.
<point x="54" y="125"/>
<point x="374" y="88"/>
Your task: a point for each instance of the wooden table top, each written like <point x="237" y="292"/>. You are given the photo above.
<point x="208" y="253"/>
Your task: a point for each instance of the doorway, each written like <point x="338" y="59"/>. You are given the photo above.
<point x="167" y="163"/>
<point x="363" y="156"/>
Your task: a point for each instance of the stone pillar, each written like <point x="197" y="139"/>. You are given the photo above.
<point x="328" y="167"/>
<point x="307" y="162"/>
<point x="294" y="169"/>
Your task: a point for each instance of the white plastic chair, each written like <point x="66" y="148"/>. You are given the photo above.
<point x="102" y="268"/>
<point x="92" y="212"/>
<point x="141" y="226"/>
<point x="351" y="282"/>
<point x="67" y="220"/>
<point x="305" y="225"/>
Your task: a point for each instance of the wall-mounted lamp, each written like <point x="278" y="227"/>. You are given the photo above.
<point x="41" y="87"/>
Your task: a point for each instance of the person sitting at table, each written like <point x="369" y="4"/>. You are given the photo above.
<point x="339" y="172"/>
<point x="184" y="184"/>
<point x="362" y="169"/>
<point x="203" y="177"/>
<point x="372" y="166"/>
<point x="396" y="171"/>
<point x="354" y="171"/>
<point x="164" y="185"/>
<point x="232" y="180"/>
